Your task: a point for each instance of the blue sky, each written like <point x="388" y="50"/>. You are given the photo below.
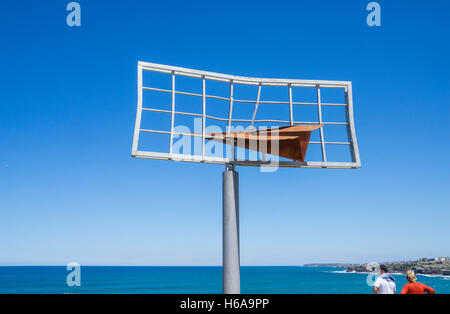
<point x="69" y="190"/>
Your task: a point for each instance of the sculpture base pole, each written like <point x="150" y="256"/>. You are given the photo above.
<point x="231" y="254"/>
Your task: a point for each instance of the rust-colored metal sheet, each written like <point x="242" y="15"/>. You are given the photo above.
<point x="289" y="142"/>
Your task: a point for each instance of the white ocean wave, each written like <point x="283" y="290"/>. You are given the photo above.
<point x="395" y="274"/>
<point x="435" y="276"/>
<point x="346" y="272"/>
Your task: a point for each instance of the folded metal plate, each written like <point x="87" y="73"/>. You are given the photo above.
<point x="289" y="142"/>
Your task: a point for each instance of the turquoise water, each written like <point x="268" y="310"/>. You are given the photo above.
<point x="195" y="280"/>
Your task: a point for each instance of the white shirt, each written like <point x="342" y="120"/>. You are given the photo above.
<point x="384" y="286"/>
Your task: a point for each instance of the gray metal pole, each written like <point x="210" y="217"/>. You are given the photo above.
<point x="231" y="246"/>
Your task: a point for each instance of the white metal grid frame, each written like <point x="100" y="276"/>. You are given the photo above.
<point x="260" y="82"/>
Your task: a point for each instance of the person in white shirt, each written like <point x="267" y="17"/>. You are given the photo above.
<point x="385" y="283"/>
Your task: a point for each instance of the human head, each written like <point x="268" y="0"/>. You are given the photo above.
<point x="383" y="269"/>
<point x="410" y="276"/>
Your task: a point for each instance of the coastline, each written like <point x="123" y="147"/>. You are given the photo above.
<point x="396" y="274"/>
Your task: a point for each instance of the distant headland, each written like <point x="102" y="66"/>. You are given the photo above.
<point x="438" y="266"/>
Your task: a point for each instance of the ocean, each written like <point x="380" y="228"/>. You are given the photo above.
<point x="194" y="280"/>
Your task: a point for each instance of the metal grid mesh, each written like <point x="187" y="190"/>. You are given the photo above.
<point x="232" y="102"/>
